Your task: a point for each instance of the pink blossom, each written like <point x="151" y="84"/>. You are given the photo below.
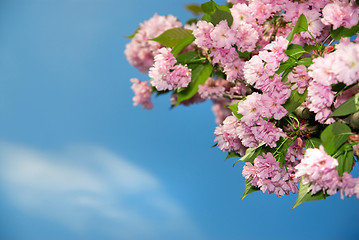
<point x="273" y="104"/>
<point x="234" y="70"/>
<point x="346" y="63"/>
<point x="246" y="135"/>
<point x="295" y="151"/>
<point x="254" y="70"/>
<point x="140" y="52"/>
<point x="267" y="175"/>
<point x="221" y="111"/>
<point x="223" y="56"/>
<point x="246" y="37"/>
<point x="267" y="132"/>
<point x="261" y="10"/>
<point x="347" y="185"/>
<point x="165" y="74"/>
<point x="318" y="169"/>
<point x="241" y="15"/>
<point x="320" y="99"/>
<point x="203" y="34"/>
<point x="277" y="47"/>
<point x="299" y="76"/>
<point x="210" y="91"/>
<point x="266" y="165"/>
<point x="322" y="70"/>
<point x="142" y="93"/>
<point x="340" y="14"/>
<point x="251" y="109"/>
<point x="223" y="36"/>
<point x="226" y="136"/>
<point x="315" y="25"/>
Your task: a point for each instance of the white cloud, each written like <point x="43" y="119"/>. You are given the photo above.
<point x="89" y="189"/>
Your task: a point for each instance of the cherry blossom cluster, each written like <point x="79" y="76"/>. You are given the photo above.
<point x="339" y="66"/>
<point x="266" y="173"/>
<point x="318" y="169"/>
<point x="273" y="87"/>
<point x="140" y="52"/>
<point x="142" y="93"/>
<point x="165" y="74"/>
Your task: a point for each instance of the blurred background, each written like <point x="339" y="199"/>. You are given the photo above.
<point x="78" y="161"/>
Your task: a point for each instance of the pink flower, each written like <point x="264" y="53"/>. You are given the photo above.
<point x="142" y="93"/>
<point x="266" y="165"/>
<point x="210" y="91"/>
<point x="299" y="76"/>
<point x="165" y="74"/>
<point x="234" y="70"/>
<point x="223" y="36"/>
<point x="254" y="70"/>
<point x="140" y="52"/>
<point x="348" y="185"/>
<point x="266" y="174"/>
<point x="277" y="47"/>
<point x="318" y="169"/>
<point x="340" y="14"/>
<point x="320" y="99"/>
<point x="251" y="109"/>
<point x="220" y="110"/>
<point x="246" y="135"/>
<point x="223" y="56"/>
<point x="227" y="138"/>
<point x="246" y="37"/>
<point x="203" y="34"/>
<point x="241" y="15"/>
<point x="267" y="132"/>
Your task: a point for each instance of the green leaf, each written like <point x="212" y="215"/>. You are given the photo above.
<point x="300" y="26"/>
<point x="133" y="34"/>
<point x="173" y="36"/>
<point x="245" y="54"/>
<point x="209" y="7"/>
<point x="182" y="44"/>
<point x="305" y="196"/>
<point x="248" y="188"/>
<point x="281" y="150"/>
<point x="191" y="21"/>
<point x="187" y="57"/>
<point x="305" y="61"/>
<point x="289" y="64"/>
<point x="294" y="101"/>
<point x="234" y="108"/>
<point x="232" y="154"/>
<point x="251" y="154"/>
<point x="309" y="48"/>
<point x="215" y="13"/>
<point x="338" y="87"/>
<point x="345" y="159"/>
<point x="194" y="8"/>
<point x="340" y="32"/>
<point x="312" y="143"/>
<point x="334" y="136"/>
<point x="295" y="51"/>
<point x="348" y="107"/>
<point x="200" y="74"/>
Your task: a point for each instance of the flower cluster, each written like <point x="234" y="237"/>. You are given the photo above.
<point x="165" y="74"/>
<point x="140" y="52"/>
<point x="267" y="174"/>
<point x="142" y="93"/>
<point x="283" y="77"/>
<point x="317" y="168"/>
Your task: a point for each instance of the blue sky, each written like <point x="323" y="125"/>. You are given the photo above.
<point x="78" y="161"/>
